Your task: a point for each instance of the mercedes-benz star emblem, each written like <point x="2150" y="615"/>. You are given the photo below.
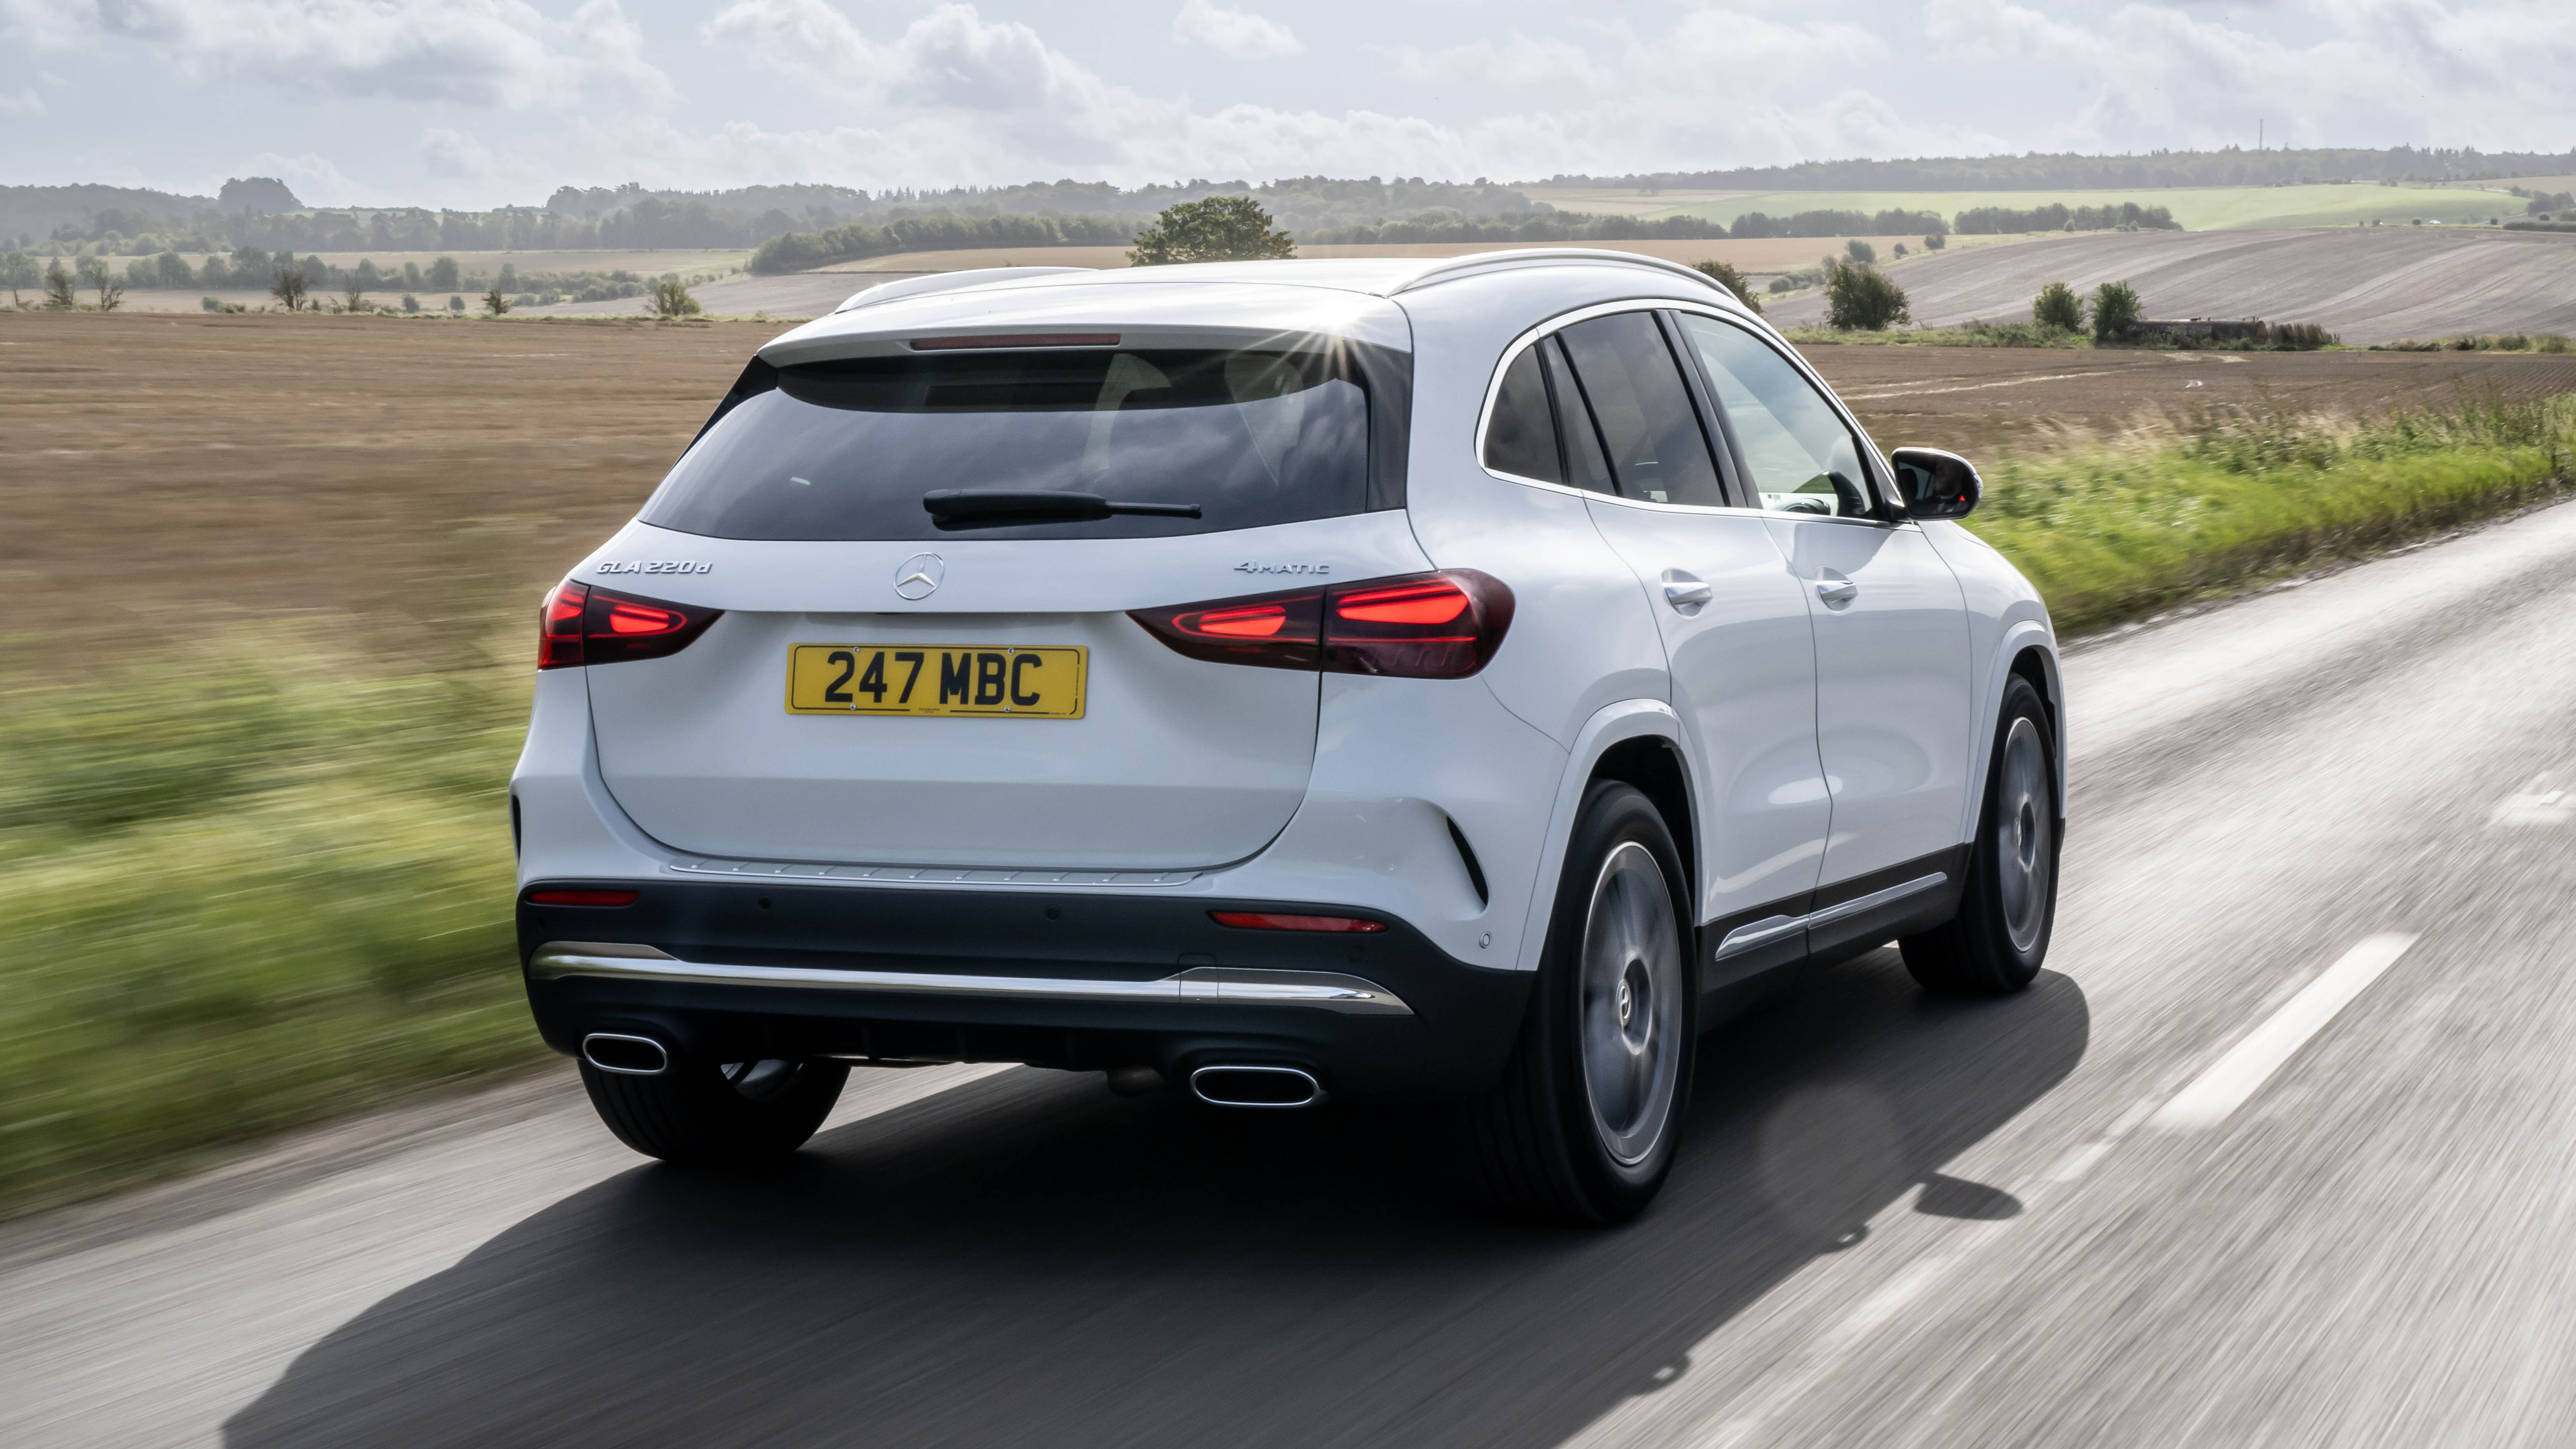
<point x="919" y="575"/>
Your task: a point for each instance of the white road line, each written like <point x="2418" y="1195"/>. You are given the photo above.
<point x="2238" y="1075"/>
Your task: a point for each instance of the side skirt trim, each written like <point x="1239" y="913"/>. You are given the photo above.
<point x="1747" y="937"/>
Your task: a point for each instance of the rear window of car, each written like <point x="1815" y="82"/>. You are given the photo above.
<point x="847" y="449"/>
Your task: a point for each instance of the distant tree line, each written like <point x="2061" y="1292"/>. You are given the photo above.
<point x="2035" y="171"/>
<point x="804" y="251"/>
<point x="2057" y="216"/>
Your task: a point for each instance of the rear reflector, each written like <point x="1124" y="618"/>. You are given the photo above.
<point x="1017" y="339"/>
<point x="1276" y="921"/>
<point x="583" y="625"/>
<point x="582" y="898"/>
<point x="1430" y="626"/>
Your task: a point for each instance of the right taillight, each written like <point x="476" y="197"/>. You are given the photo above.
<point x="583" y="625"/>
<point x="1427" y="626"/>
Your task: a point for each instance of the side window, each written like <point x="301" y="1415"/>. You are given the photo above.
<point x="1521" y="438"/>
<point x="1802" y="458"/>
<point x="1634" y="388"/>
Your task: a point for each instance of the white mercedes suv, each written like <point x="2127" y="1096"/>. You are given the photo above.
<point x="1464" y="680"/>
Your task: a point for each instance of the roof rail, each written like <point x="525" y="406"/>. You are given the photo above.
<point x="944" y="282"/>
<point x="1452" y="268"/>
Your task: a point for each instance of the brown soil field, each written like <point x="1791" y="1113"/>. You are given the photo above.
<point x="398" y="482"/>
<point x="173" y="475"/>
<point x="1976" y="399"/>
<point x="2368" y="284"/>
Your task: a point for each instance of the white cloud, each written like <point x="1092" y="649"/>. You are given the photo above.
<point x="1234" y="33"/>
<point x="22" y="103"/>
<point x="479" y="52"/>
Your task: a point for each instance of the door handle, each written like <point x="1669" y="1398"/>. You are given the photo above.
<point x="1837" y="591"/>
<point x="1684" y="592"/>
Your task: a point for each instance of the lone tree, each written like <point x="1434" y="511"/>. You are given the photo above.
<point x="671" y="299"/>
<point x="2115" y="311"/>
<point x="2057" y="306"/>
<point x="111" y="292"/>
<point x="17" y="272"/>
<point x="289" y="287"/>
<point x="1863" y="299"/>
<point x="494" y="302"/>
<point x="1218" y="229"/>
<point x="1860" y="251"/>
<point x="58" y="289"/>
<point x="355" y="293"/>
<point x="1725" y="275"/>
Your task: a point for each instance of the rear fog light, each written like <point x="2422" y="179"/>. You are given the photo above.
<point x="552" y="897"/>
<point x="1280" y="921"/>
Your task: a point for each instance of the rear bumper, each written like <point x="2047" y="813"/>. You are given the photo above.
<point x="1075" y="980"/>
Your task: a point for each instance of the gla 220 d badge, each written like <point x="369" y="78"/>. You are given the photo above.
<point x="655" y="566"/>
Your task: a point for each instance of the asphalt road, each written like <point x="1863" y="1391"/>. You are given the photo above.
<point x="2278" y="1153"/>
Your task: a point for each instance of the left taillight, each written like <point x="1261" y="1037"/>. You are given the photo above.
<point x="583" y="625"/>
<point x="1426" y="626"/>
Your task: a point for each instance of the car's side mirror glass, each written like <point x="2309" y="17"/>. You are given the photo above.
<point x="1936" y="484"/>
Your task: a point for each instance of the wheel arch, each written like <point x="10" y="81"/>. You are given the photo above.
<point x="1639" y="742"/>
<point x="2028" y="650"/>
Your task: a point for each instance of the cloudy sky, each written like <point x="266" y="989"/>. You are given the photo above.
<point x="480" y="102"/>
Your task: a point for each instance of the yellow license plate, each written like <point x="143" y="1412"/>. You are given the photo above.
<point x="937" y="679"/>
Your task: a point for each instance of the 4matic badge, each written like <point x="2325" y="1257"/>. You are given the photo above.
<point x="1283" y="568"/>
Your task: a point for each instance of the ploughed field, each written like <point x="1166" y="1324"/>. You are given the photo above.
<point x="2367" y="284"/>
<point x="403" y="480"/>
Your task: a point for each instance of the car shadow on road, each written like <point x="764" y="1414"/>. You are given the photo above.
<point x="1029" y="1260"/>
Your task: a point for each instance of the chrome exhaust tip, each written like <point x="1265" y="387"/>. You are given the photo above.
<point x="628" y="1056"/>
<point x="1237" y="1085"/>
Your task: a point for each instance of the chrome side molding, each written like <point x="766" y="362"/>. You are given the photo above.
<point x="1226" y="985"/>
<point x="1770" y="928"/>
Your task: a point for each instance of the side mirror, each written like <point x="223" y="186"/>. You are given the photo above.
<point x="1936" y="484"/>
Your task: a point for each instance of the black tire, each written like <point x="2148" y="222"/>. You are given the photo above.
<point x="1582" y="1128"/>
<point x="703" y="1114"/>
<point x="2008" y="905"/>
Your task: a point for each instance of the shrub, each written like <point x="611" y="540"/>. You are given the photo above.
<point x="495" y="303"/>
<point x="1861" y="298"/>
<point x="2115" y="311"/>
<point x="2057" y="306"/>
<point x="1860" y="251"/>
<point x="288" y="287"/>
<point x="1725" y="275"/>
<point x="455" y="304"/>
<point x="2302" y="336"/>
<point x="671" y="299"/>
<point x="210" y="304"/>
<point x="58" y="289"/>
<point x="1934" y="242"/>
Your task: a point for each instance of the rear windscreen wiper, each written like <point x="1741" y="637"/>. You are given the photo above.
<point x="997" y="507"/>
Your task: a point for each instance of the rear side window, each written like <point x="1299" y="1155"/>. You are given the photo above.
<point x="845" y="450"/>
<point x="1634" y="388"/>
<point x="1521" y="438"/>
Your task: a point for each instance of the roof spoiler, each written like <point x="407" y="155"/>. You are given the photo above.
<point x="944" y="282"/>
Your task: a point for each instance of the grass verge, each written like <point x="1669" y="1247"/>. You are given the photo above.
<point x="2115" y="533"/>
<point x="254" y="887"/>
<point x="244" y="890"/>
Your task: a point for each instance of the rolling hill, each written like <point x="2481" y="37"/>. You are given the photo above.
<point x="2368" y="284"/>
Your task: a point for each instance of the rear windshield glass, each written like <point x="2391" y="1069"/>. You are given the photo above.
<point x="845" y="450"/>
